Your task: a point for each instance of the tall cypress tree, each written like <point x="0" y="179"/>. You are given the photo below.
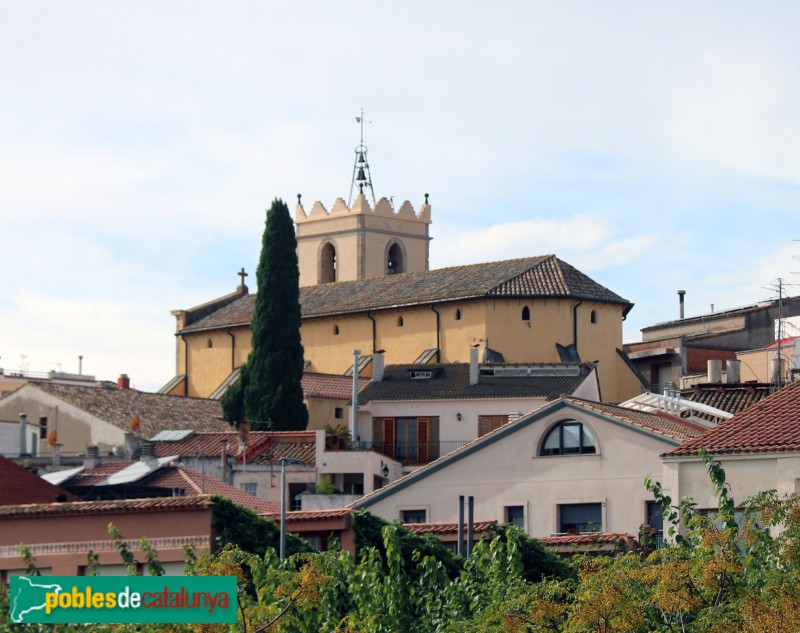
<point x="269" y="387"/>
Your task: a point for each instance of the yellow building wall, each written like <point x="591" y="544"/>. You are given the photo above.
<point x="322" y="411"/>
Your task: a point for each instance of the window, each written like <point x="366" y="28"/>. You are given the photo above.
<point x="526" y="313"/>
<point x="42" y="428"/>
<point x="399" y="321"/>
<point x="655" y="519"/>
<point x="327" y="264"/>
<point x="413" y="516"/>
<point x="458" y="314"/>
<point x="488" y="423"/>
<point x="338" y="413"/>
<point x="336" y="330"/>
<point x="209" y="343"/>
<point x="569" y="438"/>
<point x="580" y="518"/>
<point x="515" y="515"/>
<point x="593" y="316"/>
<point x="250" y="488"/>
<point x="395" y="262"/>
<point x="409" y="440"/>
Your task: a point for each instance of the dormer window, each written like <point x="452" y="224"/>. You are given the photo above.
<point x="420" y="374"/>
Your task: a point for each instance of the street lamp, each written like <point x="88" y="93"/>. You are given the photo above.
<point x="284" y="461"/>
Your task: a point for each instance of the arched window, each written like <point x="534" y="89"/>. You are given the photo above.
<point x="569" y="438"/>
<point x="327" y="264"/>
<point x="395" y="261"/>
<point x="593" y="316"/>
<point x="458" y="314"/>
<point x="336" y="330"/>
<point x="526" y="313"/>
<point x="209" y="343"/>
<point x="400" y="322"/>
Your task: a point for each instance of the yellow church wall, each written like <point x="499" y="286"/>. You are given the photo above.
<point x="332" y="353"/>
<point x="457" y="335"/>
<point x="404" y="343"/>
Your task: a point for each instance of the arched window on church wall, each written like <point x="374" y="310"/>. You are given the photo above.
<point x="327" y="264"/>
<point x="395" y="262"/>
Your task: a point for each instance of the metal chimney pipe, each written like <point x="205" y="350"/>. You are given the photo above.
<point x="715" y="371"/>
<point x="23" y="434"/>
<point x="473" y="366"/>
<point x="356" y="353"/>
<point x="733" y="373"/>
<point x="681" y="295"/>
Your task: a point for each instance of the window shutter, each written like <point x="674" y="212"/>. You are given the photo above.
<point x="422" y="434"/>
<point x="388" y="436"/>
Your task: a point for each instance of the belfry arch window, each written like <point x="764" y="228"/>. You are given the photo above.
<point x="395" y="260"/>
<point x="569" y="438"/>
<point x="327" y="264"/>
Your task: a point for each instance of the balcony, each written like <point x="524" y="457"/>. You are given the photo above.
<point x="410" y="453"/>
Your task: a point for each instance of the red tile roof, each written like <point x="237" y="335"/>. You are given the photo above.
<point x="585" y="539"/>
<point x="300" y="445"/>
<point x="157" y="412"/>
<point x="111" y="506"/>
<point x="332" y="386"/>
<point x="193" y="483"/>
<point x="732" y="398"/>
<point x="211" y="443"/>
<point x="543" y="276"/>
<point x="174" y="476"/>
<point x="771" y="425"/>
<point x="19" y="485"/>
<point x="447" y="528"/>
<point x="310" y="515"/>
<point x="661" y="423"/>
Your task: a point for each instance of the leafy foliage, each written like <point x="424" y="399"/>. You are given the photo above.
<point x="269" y="386"/>
<point x="235" y="525"/>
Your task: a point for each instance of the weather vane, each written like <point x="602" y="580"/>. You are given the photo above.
<point x="361" y="174"/>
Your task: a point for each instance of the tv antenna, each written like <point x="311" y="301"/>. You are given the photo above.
<point x="362" y="177"/>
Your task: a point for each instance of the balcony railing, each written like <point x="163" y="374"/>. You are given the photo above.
<point x="410" y="453"/>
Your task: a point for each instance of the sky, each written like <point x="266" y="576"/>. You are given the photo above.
<point x="654" y="146"/>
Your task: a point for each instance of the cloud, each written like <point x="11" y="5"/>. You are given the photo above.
<point x="587" y="241"/>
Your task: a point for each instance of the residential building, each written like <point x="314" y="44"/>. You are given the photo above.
<point x="571" y="467"/>
<point x="68" y="418"/>
<point x="759" y="449"/>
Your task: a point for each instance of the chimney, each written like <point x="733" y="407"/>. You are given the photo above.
<point x="131" y="446"/>
<point x="56" y="456"/>
<point x="92" y="458"/>
<point x="733" y="373"/>
<point x="715" y="371"/>
<point x="377" y="366"/>
<point x="775" y="370"/>
<point x="23" y="432"/>
<point x="224" y="461"/>
<point x="147" y="452"/>
<point x="473" y="365"/>
<point x="123" y="382"/>
<point x="681" y="295"/>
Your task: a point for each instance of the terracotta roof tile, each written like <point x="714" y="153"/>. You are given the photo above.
<point x="112" y="506"/>
<point x="173" y="476"/>
<point x="451" y="382"/>
<point x="211" y="443"/>
<point x="585" y="539"/>
<point x="447" y="528"/>
<point x="544" y="276"/>
<point x="660" y="423"/>
<point x="733" y="398"/>
<point x="310" y="515"/>
<point x="157" y="412"/>
<point x="770" y="425"/>
<point x="302" y="450"/>
<point x="332" y="386"/>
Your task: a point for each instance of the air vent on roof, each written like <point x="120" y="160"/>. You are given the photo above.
<point x="417" y="374"/>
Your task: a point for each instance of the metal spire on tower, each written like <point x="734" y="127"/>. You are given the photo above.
<point x="361" y="175"/>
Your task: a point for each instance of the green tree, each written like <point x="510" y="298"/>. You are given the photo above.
<point x="269" y="386"/>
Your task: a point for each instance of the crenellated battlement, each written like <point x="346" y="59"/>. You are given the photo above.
<point x="361" y="206"/>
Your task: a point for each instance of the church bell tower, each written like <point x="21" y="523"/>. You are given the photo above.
<point x="359" y="240"/>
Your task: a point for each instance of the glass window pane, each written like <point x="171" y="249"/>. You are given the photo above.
<point x="578" y="518"/>
<point x="552" y="445"/>
<point x="571" y="434"/>
<point x="515" y="515"/>
<point x="588" y="441"/>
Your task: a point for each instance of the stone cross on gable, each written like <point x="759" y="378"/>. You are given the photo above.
<point x="242" y="274"/>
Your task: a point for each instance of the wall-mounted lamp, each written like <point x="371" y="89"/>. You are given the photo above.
<point x="385" y="470"/>
<point x="458" y="416"/>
